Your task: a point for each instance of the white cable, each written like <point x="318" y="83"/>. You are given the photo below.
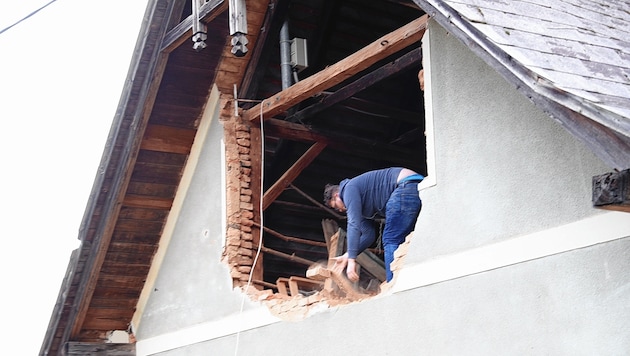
<point x="260" y="242"/>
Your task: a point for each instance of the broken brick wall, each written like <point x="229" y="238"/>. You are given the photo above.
<point x="243" y="159"/>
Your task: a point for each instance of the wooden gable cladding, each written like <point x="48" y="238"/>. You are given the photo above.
<point x="168" y="139"/>
<point x="152" y="183"/>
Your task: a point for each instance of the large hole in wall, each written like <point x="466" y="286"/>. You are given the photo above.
<point x="381" y="124"/>
<point x="300" y="234"/>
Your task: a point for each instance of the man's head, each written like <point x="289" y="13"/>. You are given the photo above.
<point x="332" y="199"/>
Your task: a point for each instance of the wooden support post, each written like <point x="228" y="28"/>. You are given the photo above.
<point x="282" y="283"/>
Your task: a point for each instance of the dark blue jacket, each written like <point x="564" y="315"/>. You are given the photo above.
<point x="365" y="197"/>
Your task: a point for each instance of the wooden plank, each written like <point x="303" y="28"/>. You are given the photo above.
<point x="168" y="139"/>
<point x="264" y="284"/>
<point x="143" y="201"/>
<point x="340" y="71"/>
<point x="293" y="287"/>
<point x="291" y="257"/>
<point x="330" y="227"/>
<point x="412" y="58"/>
<point x="317" y="203"/>
<point x="73" y="348"/>
<point x="345" y="143"/>
<point x="290" y="238"/>
<point x="283" y="283"/>
<point x="297" y="283"/>
<point x="335" y="248"/>
<point x="372" y="264"/>
<point x="341" y="243"/>
<point x="287" y="178"/>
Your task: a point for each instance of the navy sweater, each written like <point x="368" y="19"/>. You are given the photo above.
<point x="365" y="197"/>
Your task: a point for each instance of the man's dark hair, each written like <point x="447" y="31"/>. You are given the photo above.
<point x="329" y="191"/>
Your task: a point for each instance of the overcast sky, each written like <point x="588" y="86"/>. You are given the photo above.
<point x="61" y="75"/>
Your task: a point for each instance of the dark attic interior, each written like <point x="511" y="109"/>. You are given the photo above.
<point x="372" y="120"/>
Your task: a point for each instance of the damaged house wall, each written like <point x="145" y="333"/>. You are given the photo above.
<point x="509" y="182"/>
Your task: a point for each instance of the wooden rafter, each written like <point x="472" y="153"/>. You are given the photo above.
<point x="287" y="178"/>
<point x="340" y="71"/>
<point x="384" y="72"/>
<point x="341" y="142"/>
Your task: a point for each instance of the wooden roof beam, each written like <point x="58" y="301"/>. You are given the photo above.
<point x="410" y="59"/>
<point x="346" y="143"/>
<point x="340" y="71"/>
<point x="287" y="178"/>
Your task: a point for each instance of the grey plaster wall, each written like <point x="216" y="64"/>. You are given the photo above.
<point x="503" y="167"/>
<point x="193" y="284"/>
<point x="559" y="305"/>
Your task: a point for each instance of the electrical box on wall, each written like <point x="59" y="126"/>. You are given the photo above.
<point x="299" y="54"/>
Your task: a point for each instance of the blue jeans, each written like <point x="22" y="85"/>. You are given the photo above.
<point x="402" y="210"/>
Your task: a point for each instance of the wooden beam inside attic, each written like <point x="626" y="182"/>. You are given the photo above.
<point x="340" y="71"/>
<point x="291" y="238"/>
<point x="287" y="178"/>
<point x="410" y="59"/>
<point x="346" y="143"/>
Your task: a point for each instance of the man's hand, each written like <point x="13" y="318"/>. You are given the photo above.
<point x="349" y="264"/>
<point x="351" y="270"/>
<point x="340" y="263"/>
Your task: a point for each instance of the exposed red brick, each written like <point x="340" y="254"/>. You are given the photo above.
<point x="242" y="127"/>
<point x="246" y="252"/>
<point x="243" y="142"/>
<point x="246" y="206"/>
<point x="243" y="150"/>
